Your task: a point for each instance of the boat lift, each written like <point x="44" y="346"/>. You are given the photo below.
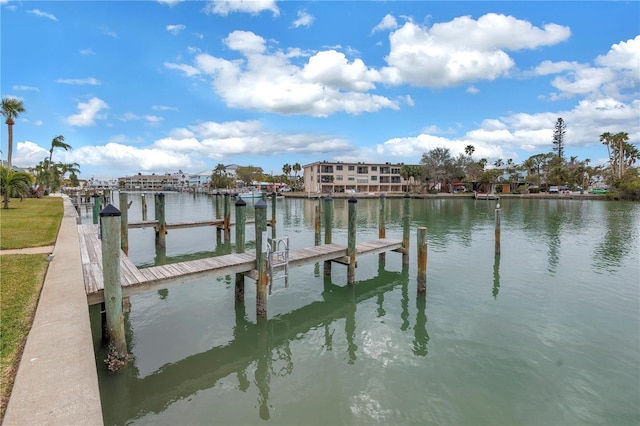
<point x="278" y="258"/>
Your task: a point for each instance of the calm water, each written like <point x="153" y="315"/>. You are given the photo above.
<point x="546" y="333"/>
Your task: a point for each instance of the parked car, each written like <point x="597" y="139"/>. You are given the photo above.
<point x="554" y="190"/>
<point x="598" y="190"/>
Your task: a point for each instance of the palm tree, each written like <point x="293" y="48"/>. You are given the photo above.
<point x="296" y="168"/>
<point x="72" y="168"/>
<point x="469" y="150"/>
<point x="10" y="108"/>
<point x="286" y="169"/>
<point x="58" y="142"/>
<point x="13" y="183"/>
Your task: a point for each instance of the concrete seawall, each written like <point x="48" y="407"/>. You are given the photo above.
<point x="57" y="380"/>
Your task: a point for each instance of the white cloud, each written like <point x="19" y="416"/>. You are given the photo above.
<point x="163" y="108"/>
<point x="175" y="29"/>
<point x="88" y="113"/>
<point x="39" y="12"/>
<point x="473" y="90"/>
<point x="29" y="88"/>
<point x="268" y="80"/>
<point x="187" y="69"/>
<point x="170" y="3"/>
<point x="28" y="154"/>
<point x="463" y="50"/>
<point x="79" y="81"/>
<point x="304" y="19"/>
<point x="387" y="23"/>
<point x="225" y="7"/>
<point x="87" y="52"/>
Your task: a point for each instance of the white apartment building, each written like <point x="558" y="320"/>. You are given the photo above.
<point x="142" y="182"/>
<point x="328" y="177"/>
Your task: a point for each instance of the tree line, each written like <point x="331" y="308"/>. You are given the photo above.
<point x="439" y="169"/>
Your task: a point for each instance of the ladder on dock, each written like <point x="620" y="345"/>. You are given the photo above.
<point x="278" y="257"/>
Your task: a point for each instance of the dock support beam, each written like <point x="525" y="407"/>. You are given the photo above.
<point x="317" y="220"/>
<point x="351" y="241"/>
<point x="124" y="221"/>
<point x="241" y="215"/>
<point x="161" y="230"/>
<point x="143" y="206"/>
<point x="95" y="202"/>
<point x="422" y="259"/>
<point x="328" y="219"/>
<point x="497" y="233"/>
<point x="261" y="259"/>
<point x="110" y="221"/>
<point x="406" y="230"/>
<point x="273" y="214"/>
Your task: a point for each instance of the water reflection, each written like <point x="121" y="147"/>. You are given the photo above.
<point x="496" y="276"/>
<point x="264" y="345"/>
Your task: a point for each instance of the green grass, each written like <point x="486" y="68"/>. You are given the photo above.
<point x="33" y="222"/>
<point x="22" y="278"/>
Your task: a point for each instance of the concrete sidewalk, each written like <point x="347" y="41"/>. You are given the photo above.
<point x="57" y="380"/>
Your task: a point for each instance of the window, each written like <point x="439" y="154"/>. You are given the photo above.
<point x="351" y="177"/>
<point x="339" y="177"/>
<point x="351" y="168"/>
<point x="374" y="168"/>
<point x="339" y="167"/>
<point x="374" y="178"/>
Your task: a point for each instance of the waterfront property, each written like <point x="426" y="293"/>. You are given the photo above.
<point x="329" y="177"/>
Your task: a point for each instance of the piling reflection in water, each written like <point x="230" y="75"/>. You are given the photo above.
<point x="264" y="345"/>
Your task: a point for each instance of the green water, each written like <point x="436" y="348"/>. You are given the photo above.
<point x="546" y="333"/>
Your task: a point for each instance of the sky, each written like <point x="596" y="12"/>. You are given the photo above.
<point x="161" y="86"/>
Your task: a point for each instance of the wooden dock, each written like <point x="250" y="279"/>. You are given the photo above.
<point x="136" y="281"/>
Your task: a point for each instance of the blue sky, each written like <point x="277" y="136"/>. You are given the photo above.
<point x="161" y="86"/>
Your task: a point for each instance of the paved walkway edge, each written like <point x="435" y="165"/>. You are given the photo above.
<point x="57" y="380"/>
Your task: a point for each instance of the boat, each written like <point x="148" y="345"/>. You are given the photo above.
<point x="250" y="194"/>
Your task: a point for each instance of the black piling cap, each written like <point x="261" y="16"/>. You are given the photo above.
<point x="328" y="198"/>
<point x="353" y="200"/>
<point x="382" y="196"/>
<point x="226" y="194"/>
<point x="407" y="195"/>
<point x="241" y="202"/>
<point x="110" y="210"/>
<point x="95" y="195"/>
<point x="261" y="205"/>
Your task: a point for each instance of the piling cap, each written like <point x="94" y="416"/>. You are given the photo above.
<point x="110" y="210"/>
<point x="382" y="196"/>
<point x="261" y="205"/>
<point x="328" y="198"/>
<point x="406" y="195"/>
<point x="352" y="200"/>
<point x="95" y="195"/>
<point x="241" y="202"/>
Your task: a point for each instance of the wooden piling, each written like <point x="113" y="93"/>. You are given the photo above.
<point x="124" y="221"/>
<point x="95" y="201"/>
<point x="328" y="219"/>
<point x="218" y="208"/>
<point x="406" y="230"/>
<point x="497" y="232"/>
<point x="161" y="229"/>
<point x="143" y="205"/>
<point x="422" y="259"/>
<point x="241" y="215"/>
<point x="351" y="241"/>
<point x="382" y="232"/>
<point x="273" y="214"/>
<point x="261" y="259"/>
<point x="110" y="220"/>
<point x="227" y="218"/>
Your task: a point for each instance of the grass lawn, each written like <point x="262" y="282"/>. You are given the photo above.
<point x="30" y="223"/>
<point x="33" y="222"/>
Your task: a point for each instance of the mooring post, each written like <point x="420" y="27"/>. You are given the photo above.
<point x="161" y="229"/>
<point x="95" y="202"/>
<point x="273" y="214"/>
<point x="106" y="196"/>
<point x="498" y="216"/>
<point x="124" y="221"/>
<point x="351" y="241"/>
<point x="328" y="219"/>
<point x="241" y="215"/>
<point x="382" y="232"/>
<point x="422" y="259"/>
<point x="218" y="217"/>
<point x="261" y="259"/>
<point x="406" y="230"/>
<point x="110" y="220"/>
<point x="143" y="206"/>
<point x="227" y="217"/>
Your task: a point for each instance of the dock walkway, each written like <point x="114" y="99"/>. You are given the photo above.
<point x="136" y="281"/>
